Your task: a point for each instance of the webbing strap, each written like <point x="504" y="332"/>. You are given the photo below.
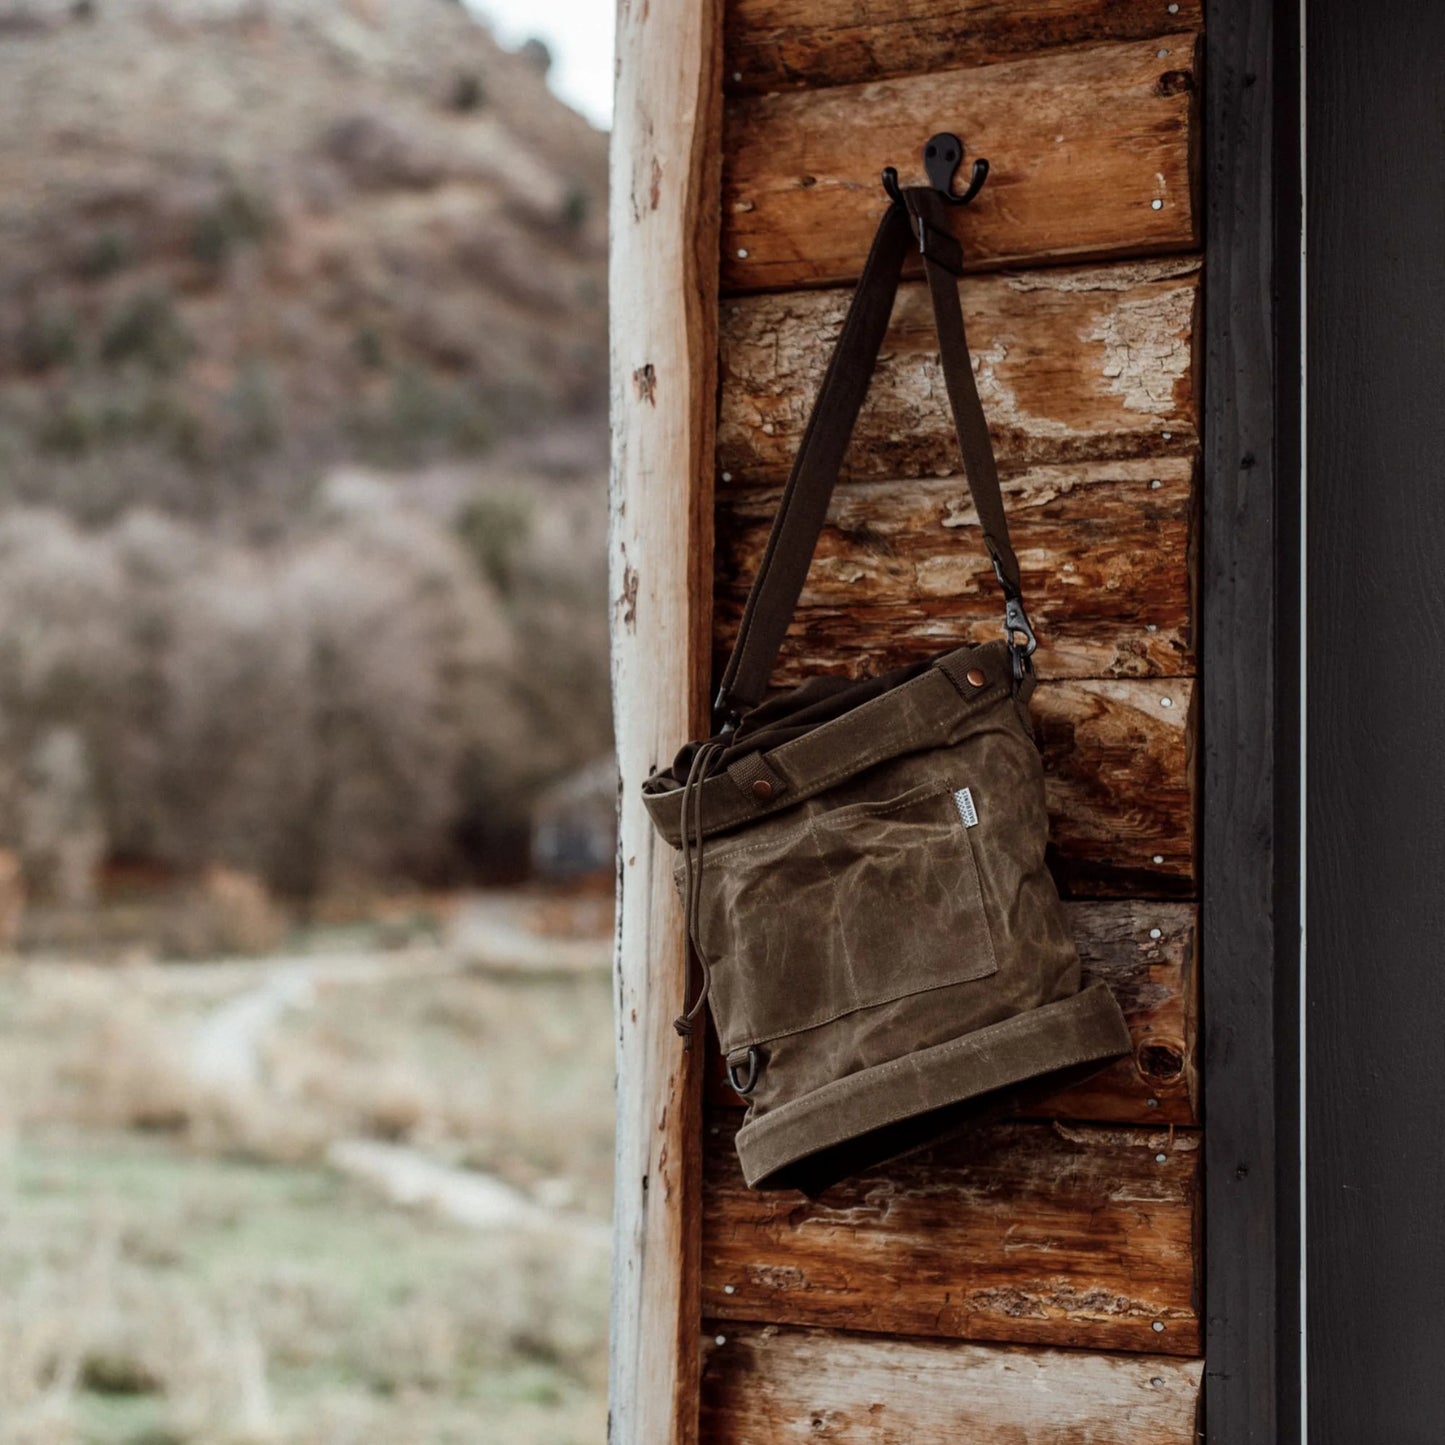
<point x="804" y="506"/>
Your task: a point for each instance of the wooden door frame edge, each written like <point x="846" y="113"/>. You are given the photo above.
<point x="1249" y="722"/>
<point x="666" y="157"/>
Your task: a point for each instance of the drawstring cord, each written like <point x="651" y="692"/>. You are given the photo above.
<point x="692" y="852"/>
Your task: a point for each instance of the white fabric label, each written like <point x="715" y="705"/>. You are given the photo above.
<point x="964" y="798"/>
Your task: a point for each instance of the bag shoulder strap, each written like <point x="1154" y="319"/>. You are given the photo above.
<point x="804" y="505"/>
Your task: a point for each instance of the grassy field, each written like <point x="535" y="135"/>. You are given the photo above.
<point x="185" y="1264"/>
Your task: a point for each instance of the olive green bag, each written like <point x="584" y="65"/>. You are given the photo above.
<point x="862" y="863"/>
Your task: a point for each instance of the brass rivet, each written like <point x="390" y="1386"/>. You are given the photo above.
<point x="762" y="789"/>
<point x="976" y="677"/>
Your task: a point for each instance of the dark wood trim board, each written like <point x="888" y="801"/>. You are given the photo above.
<point x="1375" y="999"/>
<point x="1249" y="721"/>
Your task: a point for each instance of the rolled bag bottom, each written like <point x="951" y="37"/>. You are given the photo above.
<point x="905" y="1103"/>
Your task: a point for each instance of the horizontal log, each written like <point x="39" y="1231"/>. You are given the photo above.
<point x="764" y="1384"/>
<point x="779" y="44"/>
<point x="1090" y="153"/>
<point x="1073" y="365"/>
<point x="1119" y="777"/>
<point x="900" y="571"/>
<point x="1017" y="1232"/>
<point x="1145" y="953"/>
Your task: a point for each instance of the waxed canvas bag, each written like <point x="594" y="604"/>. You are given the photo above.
<point x="862" y="862"/>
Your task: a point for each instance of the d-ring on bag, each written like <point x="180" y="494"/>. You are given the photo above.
<point x="862" y="863"/>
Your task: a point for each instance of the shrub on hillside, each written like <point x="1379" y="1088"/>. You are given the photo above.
<point x="306" y="712"/>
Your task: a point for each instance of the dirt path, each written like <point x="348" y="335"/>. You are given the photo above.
<point x="227" y="1049"/>
<point x="408" y="1177"/>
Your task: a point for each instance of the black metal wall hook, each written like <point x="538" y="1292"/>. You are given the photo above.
<point x="942" y="156"/>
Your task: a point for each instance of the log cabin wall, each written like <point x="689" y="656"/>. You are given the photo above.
<point x="1040" y="1279"/>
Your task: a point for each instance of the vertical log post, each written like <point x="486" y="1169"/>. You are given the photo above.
<point x="665" y="186"/>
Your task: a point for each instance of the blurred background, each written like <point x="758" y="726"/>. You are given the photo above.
<point x="306" y="792"/>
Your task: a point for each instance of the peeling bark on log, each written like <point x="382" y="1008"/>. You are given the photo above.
<point x="782" y="44"/>
<point x="1119" y="776"/>
<point x="900" y="571"/>
<point x="1083" y="144"/>
<point x="1072" y="365"/>
<point x="786" y="1386"/>
<point x="1023" y="1233"/>
<point x="1153" y="979"/>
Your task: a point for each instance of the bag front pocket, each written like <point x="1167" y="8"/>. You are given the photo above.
<point x="848" y="908"/>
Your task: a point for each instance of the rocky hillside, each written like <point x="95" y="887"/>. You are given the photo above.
<point x="302" y="439"/>
<point x="242" y="238"/>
